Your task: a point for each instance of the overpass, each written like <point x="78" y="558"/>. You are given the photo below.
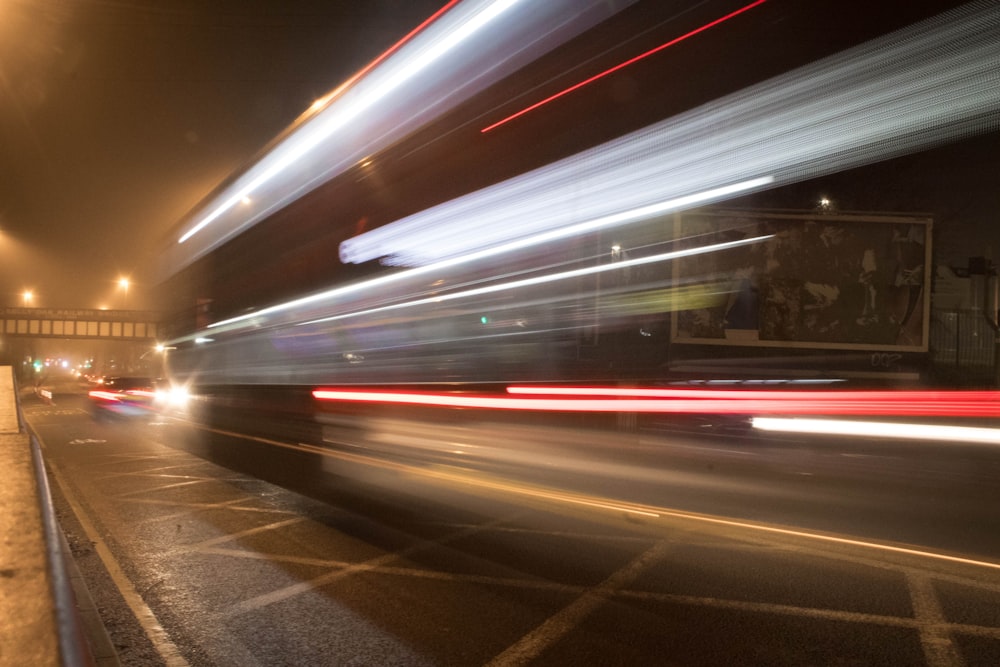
<point x="79" y="323"/>
<point x="102" y="341"/>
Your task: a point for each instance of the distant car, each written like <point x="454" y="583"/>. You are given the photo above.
<point x="124" y="397"/>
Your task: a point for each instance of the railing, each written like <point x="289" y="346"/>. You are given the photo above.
<point x="963" y="347"/>
<point x="39" y="621"/>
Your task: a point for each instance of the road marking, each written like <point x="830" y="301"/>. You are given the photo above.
<point x="568" y="618"/>
<point x="187" y="509"/>
<point x="163" y="487"/>
<point x="229" y="537"/>
<point x="46" y="412"/>
<point x="372" y="564"/>
<point x="928" y="620"/>
<point x="938" y="647"/>
<point x="143" y="614"/>
<point x="665" y="512"/>
<point x="633" y="509"/>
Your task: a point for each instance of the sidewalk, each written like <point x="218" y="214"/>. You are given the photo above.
<point x="28" y="625"/>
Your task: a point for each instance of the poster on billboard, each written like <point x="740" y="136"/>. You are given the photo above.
<point x="815" y="280"/>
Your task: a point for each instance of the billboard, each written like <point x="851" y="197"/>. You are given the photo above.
<point x="817" y="280"/>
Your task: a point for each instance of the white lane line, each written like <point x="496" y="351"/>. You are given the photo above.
<point x="190" y="509"/>
<point x="821" y="614"/>
<point x="159" y="475"/>
<point x="653" y="512"/>
<point x="303" y="587"/>
<point x="143" y="614"/>
<point x="275" y="558"/>
<point x="131" y="473"/>
<point x="114" y="458"/>
<point x="568" y="618"/>
<point x="806" y="612"/>
<point x="163" y="487"/>
<point x="839" y="615"/>
<point x="612" y="505"/>
<point x="939" y="650"/>
<point x="230" y="537"/>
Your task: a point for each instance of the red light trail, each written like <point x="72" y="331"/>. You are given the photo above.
<point x="932" y="403"/>
<point x="622" y="65"/>
<point x="119" y="396"/>
<point x="919" y="395"/>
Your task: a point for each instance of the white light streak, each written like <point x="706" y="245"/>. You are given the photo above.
<point x="901" y="93"/>
<point x="342" y="115"/>
<point x="521" y="244"/>
<point x="869" y="429"/>
<point x="548" y="278"/>
<point x="449" y="61"/>
<point x="895" y="95"/>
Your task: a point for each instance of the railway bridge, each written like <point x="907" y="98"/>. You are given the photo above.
<point x="40" y="342"/>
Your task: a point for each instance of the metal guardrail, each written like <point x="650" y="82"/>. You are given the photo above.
<point x="39" y="620"/>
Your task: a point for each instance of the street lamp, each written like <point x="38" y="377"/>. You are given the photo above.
<point x="27" y="296"/>
<point x="123" y="283"/>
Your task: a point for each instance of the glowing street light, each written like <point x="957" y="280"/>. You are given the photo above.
<point x="124" y="283"/>
<point x="27" y="296"/>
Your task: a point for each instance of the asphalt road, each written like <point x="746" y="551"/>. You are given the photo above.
<point x="681" y="550"/>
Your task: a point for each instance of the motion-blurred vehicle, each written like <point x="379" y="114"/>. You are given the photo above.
<point x="124" y="397"/>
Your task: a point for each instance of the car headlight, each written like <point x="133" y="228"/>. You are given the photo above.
<point x="175" y="396"/>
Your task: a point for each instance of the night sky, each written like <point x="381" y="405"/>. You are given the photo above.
<point x="118" y="116"/>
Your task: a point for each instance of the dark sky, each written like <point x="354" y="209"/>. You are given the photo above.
<point x="118" y="116"/>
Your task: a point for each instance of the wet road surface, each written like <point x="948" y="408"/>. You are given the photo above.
<point x="194" y="563"/>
